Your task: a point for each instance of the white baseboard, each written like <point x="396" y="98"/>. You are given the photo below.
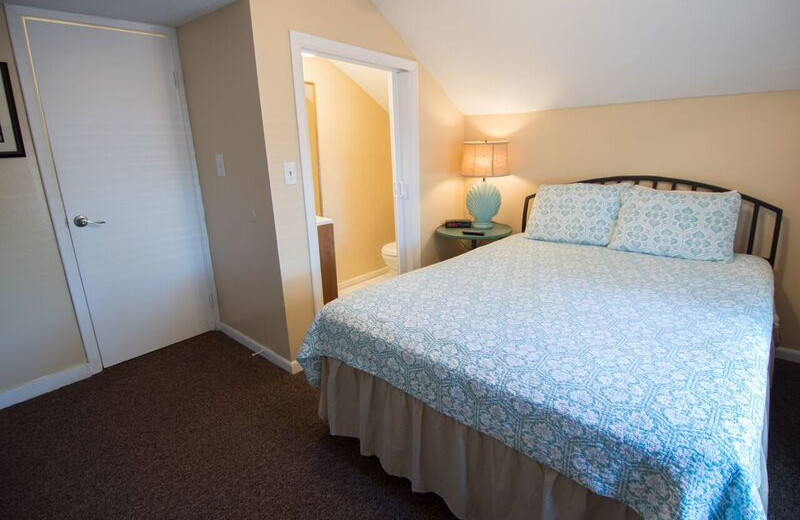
<point x="44" y="384"/>
<point x="293" y="367"/>
<point x="788" y="354"/>
<point x="363" y="278"/>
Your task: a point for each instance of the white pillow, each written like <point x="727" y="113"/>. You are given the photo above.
<point x="575" y="213"/>
<point x="680" y="224"/>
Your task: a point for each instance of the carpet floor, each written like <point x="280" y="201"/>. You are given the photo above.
<point x="202" y="429"/>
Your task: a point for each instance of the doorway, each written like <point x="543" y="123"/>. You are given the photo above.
<point x="108" y="117"/>
<point x="347" y="107"/>
<point x="403" y="115"/>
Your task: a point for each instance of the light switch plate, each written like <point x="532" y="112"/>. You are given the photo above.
<point x="220" y="165"/>
<point x="289" y="173"/>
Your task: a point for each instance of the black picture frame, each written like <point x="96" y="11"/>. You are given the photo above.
<point x="19" y="150"/>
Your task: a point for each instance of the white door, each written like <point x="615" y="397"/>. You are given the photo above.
<point x="113" y="114"/>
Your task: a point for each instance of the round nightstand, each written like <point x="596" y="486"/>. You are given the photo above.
<point x="497" y="232"/>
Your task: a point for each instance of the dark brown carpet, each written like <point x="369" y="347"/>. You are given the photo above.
<point x="201" y="429"/>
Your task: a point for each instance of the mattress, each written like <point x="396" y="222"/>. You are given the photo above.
<point x="642" y="378"/>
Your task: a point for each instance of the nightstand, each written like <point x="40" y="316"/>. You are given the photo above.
<point x="496" y="232"/>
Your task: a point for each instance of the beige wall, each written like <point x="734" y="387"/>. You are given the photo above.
<point x="355" y="22"/>
<point x="38" y="330"/>
<point x="355" y="161"/>
<point x="441" y="130"/>
<point x="749" y="143"/>
<point x="222" y="92"/>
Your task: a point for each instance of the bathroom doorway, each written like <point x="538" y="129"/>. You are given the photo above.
<point x="357" y="116"/>
<point x="347" y="108"/>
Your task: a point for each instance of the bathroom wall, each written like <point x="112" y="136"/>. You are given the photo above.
<point x="355" y="168"/>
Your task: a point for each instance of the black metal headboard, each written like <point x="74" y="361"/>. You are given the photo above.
<point x="656" y="182"/>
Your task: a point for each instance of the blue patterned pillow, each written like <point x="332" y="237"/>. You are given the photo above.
<point x="575" y="213"/>
<point x="680" y="224"/>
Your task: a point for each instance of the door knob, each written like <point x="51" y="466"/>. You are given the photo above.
<point x="82" y="220"/>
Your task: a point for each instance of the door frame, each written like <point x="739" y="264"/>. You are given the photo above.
<point x="404" y="128"/>
<point x="17" y="17"/>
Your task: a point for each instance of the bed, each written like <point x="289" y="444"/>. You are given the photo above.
<point x="532" y="379"/>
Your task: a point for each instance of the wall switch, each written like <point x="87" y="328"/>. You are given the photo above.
<point x="289" y="173"/>
<point x="220" y="165"/>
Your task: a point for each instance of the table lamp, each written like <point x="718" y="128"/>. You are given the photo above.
<point x="484" y="159"/>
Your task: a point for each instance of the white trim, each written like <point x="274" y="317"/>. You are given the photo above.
<point x="788" y="354"/>
<point x="44" y="384"/>
<point x="363" y="278"/>
<point x="404" y="122"/>
<point x="404" y="119"/>
<point x="293" y="367"/>
<point x="345" y="52"/>
<point x="46" y="162"/>
<point x="198" y="194"/>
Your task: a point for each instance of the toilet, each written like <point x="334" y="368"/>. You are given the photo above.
<point x="389" y="253"/>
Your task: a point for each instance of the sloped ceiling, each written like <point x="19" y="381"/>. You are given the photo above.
<point x="375" y="82"/>
<point x="505" y="56"/>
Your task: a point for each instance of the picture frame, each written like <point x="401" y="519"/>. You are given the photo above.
<point x="10" y="133"/>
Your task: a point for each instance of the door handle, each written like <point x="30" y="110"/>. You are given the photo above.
<point x="82" y="220"/>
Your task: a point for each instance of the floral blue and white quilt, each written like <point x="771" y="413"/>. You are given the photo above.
<point x="642" y="378"/>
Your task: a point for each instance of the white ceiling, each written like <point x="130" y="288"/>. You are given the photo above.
<point x="160" y="12"/>
<point x="504" y="56"/>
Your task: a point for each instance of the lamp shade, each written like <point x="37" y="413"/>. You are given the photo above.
<point x="485" y="159"/>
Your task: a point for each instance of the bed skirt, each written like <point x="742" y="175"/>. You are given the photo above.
<point x="477" y="476"/>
